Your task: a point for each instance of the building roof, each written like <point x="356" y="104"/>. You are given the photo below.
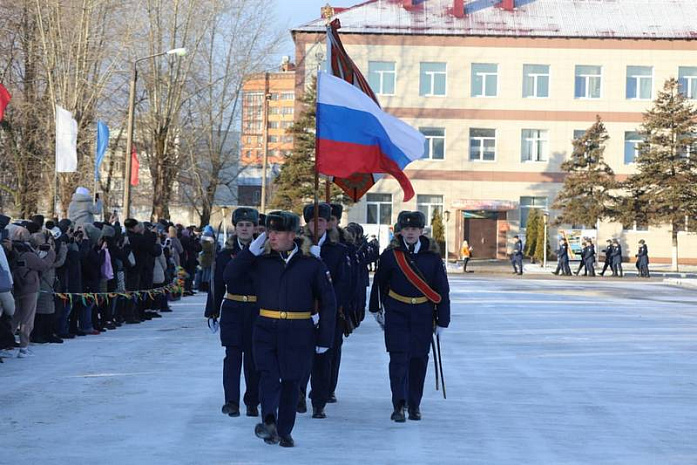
<point x="636" y="19"/>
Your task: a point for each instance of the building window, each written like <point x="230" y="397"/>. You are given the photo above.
<point x="273" y="138"/>
<point x="287" y="96"/>
<point x="579" y="133"/>
<point x="286" y="124"/>
<point x="527" y="203"/>
<point x="428" y="204"/>
<point x="639" y="82"/>
<point x="631" y="146"/>
<point x="535" y="81"/>
<point x="287" y="110"/>
<point x="482" y="144"/>
<point x="275" y="110"/>
<point x="484" y="79"/>
<point x="588" y="81"/>
<point x="433" y="79"/>
<point x="534" y="145"/>
<point x="636" y="226"/>
<point x="253" y="98"/>
<point x="379" y="209"/>
<point x="288" y="139"/>
<point x="273" y="124"/>
<point x="434" y="147"/>
<point x="275" y="96"/>
<point x="381" y="77"/>
<point x="687" y="76"/>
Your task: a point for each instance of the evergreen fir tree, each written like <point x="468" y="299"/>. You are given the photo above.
<point x="663" y="191"/>
<point x="531" y="232"/>
<point x="540" y="244"/>
<point x="586" y="196"/>
<point x="437" y="230"/>
<point x="295" y="184"/>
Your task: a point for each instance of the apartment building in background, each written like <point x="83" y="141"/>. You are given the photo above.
<point x="500" y="89"/>
<point x="268" y="109"/>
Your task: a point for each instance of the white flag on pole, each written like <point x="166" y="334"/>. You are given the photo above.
<point x="66" y="141"/>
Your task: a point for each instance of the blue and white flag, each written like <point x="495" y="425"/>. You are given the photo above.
<point x="102" y="144"/>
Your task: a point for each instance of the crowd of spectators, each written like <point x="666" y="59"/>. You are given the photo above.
<point x="61" y="279"/>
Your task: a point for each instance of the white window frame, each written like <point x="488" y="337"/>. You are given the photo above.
<point x="636" y="147"/>
<point x="535" y="156"/>
<point x="377" y="204"/>
<point x="432" y="75"/>
<point x="535" y="81"/>
<point x="481" y="139"/>
<point x="381" y="76"/>
<point x="639" y="79"/>
<point x="530" y="207"/>
<point x="688" y="79"/>
<point x="430" y="139"/>
<point x="430" y="206"/>
<point x="484" y="77"/>
<point x="587" y="78"/>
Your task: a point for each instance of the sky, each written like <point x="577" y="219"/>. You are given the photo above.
<point x="291" y="13"/>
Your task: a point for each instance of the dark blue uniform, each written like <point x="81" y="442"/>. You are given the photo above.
<point x="617" y="260"/>
<point x="284" y="348"/>
<point x="236" y="323"/>
<point x="563" y="259"/>
<point x="642" y="261"/>
<point x="517" y="258"/>
<point x="608" y="260"/>
<point x="335" y="257"/>
<point x="409" y="327"/>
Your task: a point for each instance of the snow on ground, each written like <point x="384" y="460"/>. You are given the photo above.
<point x="537" y="372"/>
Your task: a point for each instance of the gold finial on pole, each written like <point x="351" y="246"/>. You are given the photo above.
<point x="327" y="13"/>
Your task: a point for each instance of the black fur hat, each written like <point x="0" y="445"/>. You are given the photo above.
<point x="337" y="210"/>
<point x="324" y="211"/>
<point x="282" y="221"/>
<point x="262" y="219"/>
<point x="414" y="219"/>
<point x="245" y="214"/>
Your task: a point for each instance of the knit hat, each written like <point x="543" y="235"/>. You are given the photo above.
<point x="208" y="231"/>
<point x="82" y="191"/>
<point x="108" y="231"/>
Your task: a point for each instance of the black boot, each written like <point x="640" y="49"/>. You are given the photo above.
<point x="267" y="431"/>
<point x="231" y="409"/>
<point x="252" y="411"/>
<point x="302" y="405"/>
<point x="398" y="414"/>
<point x="318" y="412"/>
<point x="332" y="399"/>
<point x="414" y="413"/>
<point x="287" y="441"/>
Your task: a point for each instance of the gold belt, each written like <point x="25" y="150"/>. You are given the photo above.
<point x="285" y="315"/>
<point x="241" y="298"/>
<point x="407" y="300"/>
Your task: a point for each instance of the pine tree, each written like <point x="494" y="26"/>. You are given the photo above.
<point x="531" y="232"/>
<point x="663" y="191"/>
<point x="295" y="184"/>
<point x="437" y="229"/>
<point x="540" y="244"/>
<point x="586" y="196"/>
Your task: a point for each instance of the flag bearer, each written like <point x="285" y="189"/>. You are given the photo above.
<point x="409" y="292"/>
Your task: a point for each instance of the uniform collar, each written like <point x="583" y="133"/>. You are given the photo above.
<point x="322" y="239"/>
<point x="417" y="246"/>
<point x="287" y="256"/>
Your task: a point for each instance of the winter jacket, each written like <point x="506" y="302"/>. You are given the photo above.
<point x="5" y="273"/>
<point x="82" y="209"/>
<point x="159" y="269"/>
<point x="208" y="252"/>
<point x="177" y="249"/>
<point x="45" y="304"/>
<point x="29" y="268"/>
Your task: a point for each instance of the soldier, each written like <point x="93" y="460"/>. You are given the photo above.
<point x="608" y="258"/>
<point x="517" y="257"/>
<point x="366" y="254"/>
<point x="287" y="280"/>
<point x="617" y="259"/>
<point x="563" y="259"/>
<point x="238" y="311"/>
<point x="334" y="256"/>
<point x="582" y="262"/>
<point x="642" y="259"/>
<point x="409" y="291"/>
<point x="590" y="258"/>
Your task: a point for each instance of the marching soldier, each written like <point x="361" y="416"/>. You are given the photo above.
<point x="287" y="280"/>
<point x="517" y="257"/>
<point x="238" y="311"/>
<point x="334" y="256"/>
<point x="563" y="258"/>
<point x="590" y="258"/>
<point x="642" y="259"/>
<point x="608" y="258"/>
<point x="409" y="291"/>
<point x="617" y="259"/>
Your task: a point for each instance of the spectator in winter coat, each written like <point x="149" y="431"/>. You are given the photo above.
<point x="27" y="275"/>
<point x="175" y="245"/>
<point x="7" y="302"/>
<point x="206" y="257"/>
<point x="45" y="307"/>
<point x="82" y="208"/>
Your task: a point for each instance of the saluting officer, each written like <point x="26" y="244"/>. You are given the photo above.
<point x="334" y="255"/>
<point x="235" y="301"/>
<point x="288" y="280"/>
<point x="411" y="285"/>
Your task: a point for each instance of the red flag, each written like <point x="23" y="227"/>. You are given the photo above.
<point x="135" y="166"/>
<point x="5" y="98"/>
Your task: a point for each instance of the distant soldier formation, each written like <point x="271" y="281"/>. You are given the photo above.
<point x="588" y="259"/>
<point x="284" y="297"/>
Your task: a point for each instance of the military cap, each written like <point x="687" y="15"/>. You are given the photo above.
<point x="337" y="210"/>
<point x="609" y="241"/>
<point x="414" y="219"/>
<point x="641" y="241"/>
<point x="130" y="223"/>
<point x="355" y="228"/>
<point x="324" y="211"/>
<point x="262" y="219"/>
<point x="282" y="221"/>
<point x="245" y="214"/>
<point x="396" y="228"/>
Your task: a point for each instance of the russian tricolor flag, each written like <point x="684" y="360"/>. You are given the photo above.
<point x="355" y="136"/>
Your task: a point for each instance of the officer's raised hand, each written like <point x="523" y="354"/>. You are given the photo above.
<point x="257" y="246"/>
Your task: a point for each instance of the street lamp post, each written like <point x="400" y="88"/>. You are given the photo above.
<point x="545" y="220"/>
<point x="129" y="130"/>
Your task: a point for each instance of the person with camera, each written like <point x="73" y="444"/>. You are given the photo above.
<point x="82" y="207"/>
<point x="46" y="306"/>
<point x="27" y="280"/>
<point x="143" y="242"/>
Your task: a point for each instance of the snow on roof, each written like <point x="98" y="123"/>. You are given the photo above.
<point x="638" y="19"/>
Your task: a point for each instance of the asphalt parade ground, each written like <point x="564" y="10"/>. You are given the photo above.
<point x="538" y="371"/>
